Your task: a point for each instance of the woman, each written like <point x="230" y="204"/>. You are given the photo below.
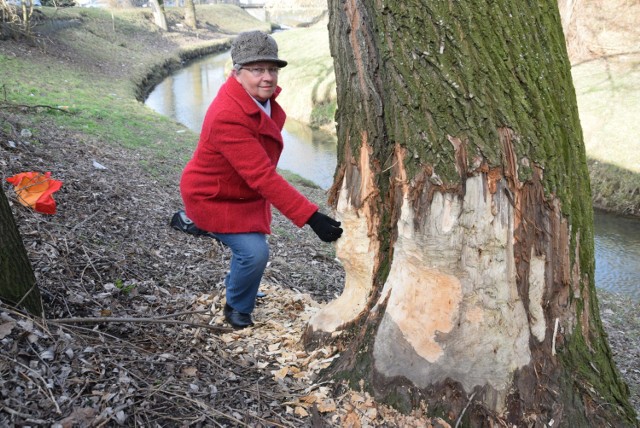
<point x="231" y="181"/>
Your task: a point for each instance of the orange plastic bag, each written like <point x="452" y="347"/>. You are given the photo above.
<point x="35" y="190"/>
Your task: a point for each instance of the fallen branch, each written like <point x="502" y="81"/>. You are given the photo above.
<point x="26" y="417"/>
<point x="7" y="104"/>
<point x="97" y="320"/>
<point x="208" y="408"/>
<point x="178" y="314"/>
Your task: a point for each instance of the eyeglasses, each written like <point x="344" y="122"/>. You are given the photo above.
<point x="259" y="71"/>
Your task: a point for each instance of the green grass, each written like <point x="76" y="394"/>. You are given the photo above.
<point x="608" y="93"/>
<point x="609" y="101"/>
<point x="226" y="18"/>
<point x="103" y="109"/>
<point x="308" y="81"/>
<point x="299" y="180"/>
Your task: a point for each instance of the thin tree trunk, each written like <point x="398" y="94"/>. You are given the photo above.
<point x="17" y="281"/>
<point x="159" y="17"/>
<point x="190" y="14"/>
<point x="463" y="189"/>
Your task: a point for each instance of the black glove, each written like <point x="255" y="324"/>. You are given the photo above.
<point x="325" y="227"/>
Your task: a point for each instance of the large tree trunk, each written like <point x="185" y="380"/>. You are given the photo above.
<point x="17" y="281"/>
<point x="463" y="190"/>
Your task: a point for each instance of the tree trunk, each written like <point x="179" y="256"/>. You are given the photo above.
<point x="463" y="189"/>
<point x="17" y="281"/>
<point x="190" y="14"/>
<point x="159" y="17"/>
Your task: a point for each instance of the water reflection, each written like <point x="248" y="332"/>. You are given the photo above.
<point x="186" y="95"/>
<point x="618" y="254"/>
<point x="310" y="153"/>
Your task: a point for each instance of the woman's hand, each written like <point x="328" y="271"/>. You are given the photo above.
<point x="325" y="227"/>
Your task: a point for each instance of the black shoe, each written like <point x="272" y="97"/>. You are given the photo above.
<point x="181" y="222"/>
<point x="238" y="320"/>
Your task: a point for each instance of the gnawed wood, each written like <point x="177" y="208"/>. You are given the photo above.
<point x="453" y="310"/>
<point x="357" y="249"/>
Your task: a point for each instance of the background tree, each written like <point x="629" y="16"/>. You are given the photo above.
<point x="17" y="281"/>
<point x="463" y="190"/>
<point x="190" y="14"/>
<point x="16" y="20"/>
<point x="159" y="17"/>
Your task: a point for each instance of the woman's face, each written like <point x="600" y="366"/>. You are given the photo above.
<point x="259" y="79"/>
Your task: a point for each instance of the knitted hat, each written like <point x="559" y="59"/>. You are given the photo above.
<point x="255" y="46"/>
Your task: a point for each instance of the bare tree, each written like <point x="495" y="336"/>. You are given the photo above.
<point x="16" y="19"/>
<point x="190" y="14"/>
<point x="159" y="17"/>
<point x="17" y="281"/>
<point x="463" y="189"/>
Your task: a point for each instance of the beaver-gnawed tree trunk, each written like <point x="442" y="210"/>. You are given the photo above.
<point x="17" y="281"/>
<point x="463" y="189"/>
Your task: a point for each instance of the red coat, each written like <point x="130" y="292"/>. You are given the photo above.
<point x="231" y="182"/>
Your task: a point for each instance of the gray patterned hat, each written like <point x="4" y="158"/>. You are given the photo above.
<point x="255" y="46"/>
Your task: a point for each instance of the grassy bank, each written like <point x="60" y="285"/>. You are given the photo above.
<point x="309" y="93"/>
<point x="608" y="93"/>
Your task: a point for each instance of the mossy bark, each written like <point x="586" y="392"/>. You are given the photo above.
<point x="17" y="281"/>
<point x="463" y="187"/>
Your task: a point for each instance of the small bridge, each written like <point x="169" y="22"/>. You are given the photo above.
<point x="255" y="8"/>
<point x="248" y="4"/>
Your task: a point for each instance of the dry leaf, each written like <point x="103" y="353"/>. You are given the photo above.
<point x="273" y="347"/>
<point x="5" y="329"/>
<point x="351" y="421"/>
<point x="327" y="406"/>
<point x="280" y="374"/>
<point x="309" y="399"/>
<point x="189" y="371"/>
<point x="356" y="397"/>
<point x="300" y="411"/>
<point x="80" y="417"/>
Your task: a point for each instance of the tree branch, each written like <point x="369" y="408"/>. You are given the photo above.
<point x="7" y="104"/>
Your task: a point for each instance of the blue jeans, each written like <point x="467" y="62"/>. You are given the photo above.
<point x="250" y="253"/>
